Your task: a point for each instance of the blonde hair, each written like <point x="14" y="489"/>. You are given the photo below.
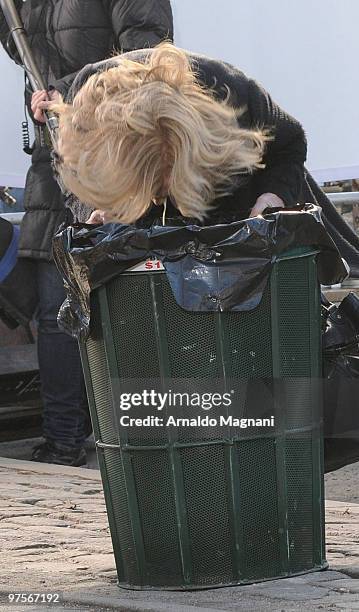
<point x="139" y="132"/>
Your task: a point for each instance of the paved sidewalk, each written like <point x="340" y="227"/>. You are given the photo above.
<point x="54" y="538"/>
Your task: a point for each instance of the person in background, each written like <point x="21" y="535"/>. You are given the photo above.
<point x="64" y="36"/>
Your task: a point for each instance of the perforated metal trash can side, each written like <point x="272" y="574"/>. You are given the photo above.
<point x="187" y="513"/>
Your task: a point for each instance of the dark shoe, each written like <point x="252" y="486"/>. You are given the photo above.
<point x="50" y="452"/>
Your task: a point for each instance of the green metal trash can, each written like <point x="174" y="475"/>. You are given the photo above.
<point x="189" y="513"/>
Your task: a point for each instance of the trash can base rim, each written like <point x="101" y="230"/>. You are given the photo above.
<point x="205" y="587"/>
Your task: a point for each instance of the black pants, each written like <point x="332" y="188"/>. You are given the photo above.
<point x="65" y="415"/>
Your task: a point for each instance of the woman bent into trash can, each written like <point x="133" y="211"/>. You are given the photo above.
<point x="165" y="127"/>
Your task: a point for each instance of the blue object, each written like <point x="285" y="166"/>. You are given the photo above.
<point x="8" y="262"/>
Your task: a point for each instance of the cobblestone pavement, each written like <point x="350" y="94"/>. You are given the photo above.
<point x="54" y="538"/>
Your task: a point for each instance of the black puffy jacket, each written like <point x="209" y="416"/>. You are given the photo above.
<point x="65" y="35"/>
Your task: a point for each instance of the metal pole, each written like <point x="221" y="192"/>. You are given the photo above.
<point x="22" y="44"/>
<point x="20" y="39"/>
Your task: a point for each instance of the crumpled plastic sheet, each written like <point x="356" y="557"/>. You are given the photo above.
<point x="211" y="268"/>
<point x="341" y="325"/>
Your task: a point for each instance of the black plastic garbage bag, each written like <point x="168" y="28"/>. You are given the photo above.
<point x="341" y="382"/>
<point x="18" y="291"/>
<point x="212" y="268"/>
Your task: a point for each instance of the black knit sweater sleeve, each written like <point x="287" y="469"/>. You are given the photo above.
<point x="285" y="154"/>
<point x="87" y="71"/>
<point x="63" y="85"/>
<point x="84" y="74"/>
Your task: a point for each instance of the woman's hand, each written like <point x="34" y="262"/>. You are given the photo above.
<point x="97" y="217"/>
<point x="266" y="200"/>
<point x="41" y="101"/>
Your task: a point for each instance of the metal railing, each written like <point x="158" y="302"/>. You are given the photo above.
<point x="344" y="197"/>
<point x="347" y="198"/>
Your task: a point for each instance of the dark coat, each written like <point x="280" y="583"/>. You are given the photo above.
<point x="64" y="36"/>
<point x="284" y="174"/>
